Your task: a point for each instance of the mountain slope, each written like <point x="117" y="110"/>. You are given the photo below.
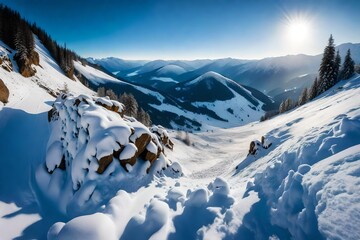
<point x="169" y="110"/>
<point x="270" y="75"/>
<point x="305" y="185"/>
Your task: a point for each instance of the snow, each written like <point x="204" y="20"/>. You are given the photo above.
<point x="94" y="75"/>
<point x="170" y="69"/>
<point x="163" y="79"/>
<point x="303" y="184"/>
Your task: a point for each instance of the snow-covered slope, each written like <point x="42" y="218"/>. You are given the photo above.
<point x="302" y="183"/>
<point x="23" y="137"/>
<point x="228" y="99"/>
<point x="173" y="109"/>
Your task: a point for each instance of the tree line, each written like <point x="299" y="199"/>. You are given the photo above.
<point x="132" y="108"/>
<point x="17" y="33"/>
<point x="330" y="73"/>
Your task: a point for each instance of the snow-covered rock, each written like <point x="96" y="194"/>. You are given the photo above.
<point x="93" y="149"/>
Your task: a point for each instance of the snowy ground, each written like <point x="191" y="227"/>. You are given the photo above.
<point x="306" y="185"/>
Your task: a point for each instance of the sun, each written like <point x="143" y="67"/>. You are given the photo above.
<point x="298" y="31"/>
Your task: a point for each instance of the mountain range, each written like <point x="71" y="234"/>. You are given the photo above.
<point x="273" y="76"/>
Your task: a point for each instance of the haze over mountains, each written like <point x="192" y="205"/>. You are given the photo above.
<point x="272" y="76"/>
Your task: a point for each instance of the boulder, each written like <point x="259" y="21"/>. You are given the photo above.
<point x="104" y="162"/>
<point x="142" y="142"/>
<point x="4" y="92"/>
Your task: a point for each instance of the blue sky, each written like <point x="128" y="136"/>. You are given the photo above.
<point x="193" y="29"/>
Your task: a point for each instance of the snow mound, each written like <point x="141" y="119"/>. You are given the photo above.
<point x="309" y="188"/>
<point x="94" y="149"/>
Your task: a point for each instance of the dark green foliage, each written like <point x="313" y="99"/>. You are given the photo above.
<point x="348" y="68"/>
<point x="63" y="56"/>
<point x="327" y="70"/>
<point x="313" y="90"/>
<point x="303" y="97"/>
<point x="17" y="33"/>
<point x="337" y="66"/>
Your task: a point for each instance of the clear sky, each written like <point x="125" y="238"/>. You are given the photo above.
<point x="194" y="29"/>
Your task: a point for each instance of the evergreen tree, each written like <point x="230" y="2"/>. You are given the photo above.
<point x="131" y="105"/>
<point x="337" y="66"/>
<point x="313" y="91"/>
<point x="348" y="68"/>
<point x="288" y="104"/>
<point x="101" y="92"/>
<point x="110" y="93"/>
<point x="327" y="74"/>
<point x="282" y="107"/>
<point x="141" y="115"/>
<point x="303" y="97"/>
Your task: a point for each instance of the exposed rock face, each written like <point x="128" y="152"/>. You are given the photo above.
<point x="4" y="92"/>
<point x="25" y="65"/>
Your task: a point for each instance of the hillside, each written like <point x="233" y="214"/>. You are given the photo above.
<point x="170" y="110"/>
<point x="76" y="164"/>
<point x="308" y="173"/>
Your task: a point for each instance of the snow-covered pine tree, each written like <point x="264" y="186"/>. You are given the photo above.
<point x="348" y="68"/>
<point x="327" y="68"/>
<point x="313" y="90"/>
<point x="337" y="66"/>
<point x="131" y="105"/>
<point x="303" y="97"/>
<point x="21" y="51"/>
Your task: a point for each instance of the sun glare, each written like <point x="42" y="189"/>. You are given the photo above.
<point x="298" y="31"/>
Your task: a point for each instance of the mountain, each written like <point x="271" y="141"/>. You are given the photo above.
<point x="116" y="65"/>
<point x="272" y="76"/>
<point x="170" y="110"/>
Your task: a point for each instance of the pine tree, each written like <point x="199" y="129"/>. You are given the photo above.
<point x="348" y="68"/>
<point x="313" y="91"/>
<point x="288" y="104"/>
<point x="110" y="93"/>
<point x="337" y="66"/>
<point x="141" y="116"/>
<point x="282" y="107"/>
<point x="303" y="97"/>
<point x="327" y="74"/>
<point x="131" y="105"/>
<point x="101" y="92"/>
<point x="147" y="120"/>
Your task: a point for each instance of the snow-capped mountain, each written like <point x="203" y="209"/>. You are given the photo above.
<point x="272" y="76"/>
<point x="116" y="65"/>
<point x="169" y="108"/>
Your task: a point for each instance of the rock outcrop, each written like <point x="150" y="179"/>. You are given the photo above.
<point x="94" y="149"/>
<point x="4" y="92"/>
